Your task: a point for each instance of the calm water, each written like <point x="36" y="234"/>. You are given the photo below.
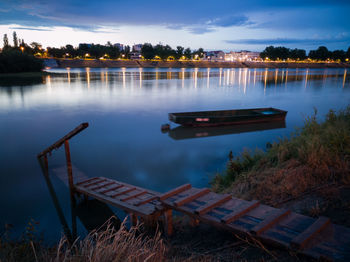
<point x="125" y="109"/>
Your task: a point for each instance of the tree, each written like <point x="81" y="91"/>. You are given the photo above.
<point x="15" y="40"/>
<point x="179" y="52"/>
<point x="348" y="54"/>
<point x="321" y="53"/>
<point x="188" y="53"/>
<point x="147" y="51"/>
<point x="36" y="47"/>
<point x="6" y="41"/>
<point x="297" y="54"/>
<point x="338" y="55"/>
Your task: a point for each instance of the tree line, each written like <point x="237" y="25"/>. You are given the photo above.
<point x="321" y="54"/>
<point x="19" y="57"/>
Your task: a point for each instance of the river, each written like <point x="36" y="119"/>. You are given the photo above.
<point x="125" y="109"/>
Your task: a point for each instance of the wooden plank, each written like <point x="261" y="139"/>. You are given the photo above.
<point x="302" y="239"/>
<point x="133" y="196"/>
<point x="123" y="192"/>
<point x="145" y="201"/>
<point x="269" y="221"/>
<point x="85" y="181"/>
<point x="60" y="142"/>
<point x="212" y="204"/>
<point x="175" y="191"/>
<point x="94" y="183"/>
<point x="111" y="189"/>
<point x="140" y="211"/>
<point x="186" y="199"/>
<point x="240" y="212"/>
<point x="101" y="186"/>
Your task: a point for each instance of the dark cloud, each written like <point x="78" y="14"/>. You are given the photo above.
<point x="196" y="17"/>
<point x="228" y="21"/>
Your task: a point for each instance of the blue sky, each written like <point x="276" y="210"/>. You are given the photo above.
<point x="221" y="24"/>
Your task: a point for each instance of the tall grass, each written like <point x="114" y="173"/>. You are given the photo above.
<point x="107" y="245"/>
<point x="314" y="155"/>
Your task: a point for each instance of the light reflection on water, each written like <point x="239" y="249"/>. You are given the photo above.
<point x="125" y="109"/>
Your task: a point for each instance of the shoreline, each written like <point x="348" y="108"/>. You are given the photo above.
<point x="80" y="63"/>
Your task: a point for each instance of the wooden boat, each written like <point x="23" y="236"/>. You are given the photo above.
<point x="228" y="117"/>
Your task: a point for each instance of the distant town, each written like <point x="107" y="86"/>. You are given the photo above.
<point x="162" y="52"/>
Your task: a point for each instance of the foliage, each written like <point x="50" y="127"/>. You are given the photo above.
<point x="321" y="54"/>
<point x="13" y="61"/>
<point x="108" y="245"/>
<point x="316" y="154"/>
<point x="147" y="51"/>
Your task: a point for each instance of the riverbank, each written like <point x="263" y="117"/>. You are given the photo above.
<point x="308" y="173"/>
<point x="79" y="63"/>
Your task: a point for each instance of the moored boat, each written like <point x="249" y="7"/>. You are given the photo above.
<point x="228" y="117"/>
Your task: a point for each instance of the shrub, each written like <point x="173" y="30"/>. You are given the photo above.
<point x="14" y="61"/>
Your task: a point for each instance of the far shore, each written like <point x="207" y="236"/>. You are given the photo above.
<point x="79" y="63"/>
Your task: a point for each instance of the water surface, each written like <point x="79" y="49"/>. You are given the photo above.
<point x="125" y="109"/>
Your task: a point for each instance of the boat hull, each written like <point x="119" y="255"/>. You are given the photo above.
<point x="228" y="117"/>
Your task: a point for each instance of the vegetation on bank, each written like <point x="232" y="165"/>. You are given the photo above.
<point x="320" y="54"/>
<point x="14" y="61"/>
<point x="103" y="245"/>
<point x="316" y="156"/>
<point x="164" y="52"/>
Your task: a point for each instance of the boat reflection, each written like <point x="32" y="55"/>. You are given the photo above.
<point x="182" y="132"/>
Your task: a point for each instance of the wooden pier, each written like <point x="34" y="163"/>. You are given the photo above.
<point x="317" y="238"/>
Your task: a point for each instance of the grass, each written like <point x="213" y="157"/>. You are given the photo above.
<point x="107" y="245"/>
<point x="316" y="155"/>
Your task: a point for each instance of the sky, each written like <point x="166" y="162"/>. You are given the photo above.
<point x="227" y="25"/>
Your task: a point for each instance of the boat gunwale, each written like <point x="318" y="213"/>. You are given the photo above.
<point x="203" y="113"/>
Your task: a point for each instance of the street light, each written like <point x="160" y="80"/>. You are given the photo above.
<point x="22" y="49"/>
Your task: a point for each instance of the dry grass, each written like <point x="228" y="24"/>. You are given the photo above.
<point x="315" y="155"/>
<point x="108" y="245"/>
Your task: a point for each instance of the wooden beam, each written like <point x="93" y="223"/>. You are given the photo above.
<point x="175" y="191"/>
<point x="101" y="186"/>
<point x="212" y="204"/>
<point x="111" y="189"/>
<point x="168" y="223"/>
<point x="123" y="192"/>
<point x="60" y="142"/>
<point x="269" y="221"/>
<point x="133" y="219"/>
<point x="145" y="201"/>
<point x="133" y="196"/>
<point x="302" y="239"/>
<point x="69" y="169"/>
<point x="186" y="199"/>
<point x="240" y="212"/>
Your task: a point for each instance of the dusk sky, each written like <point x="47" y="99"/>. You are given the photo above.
<point x="221" y="24"/>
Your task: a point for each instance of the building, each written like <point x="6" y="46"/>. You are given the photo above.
<point x="135" y="56"/>
<point x="84" y="45"/>
<point x="214" y="55"/>
<point x="137" y="48"/>
<point x="119" y="46"/>
<point x="242" y="56"/>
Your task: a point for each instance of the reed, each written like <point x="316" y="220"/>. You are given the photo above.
<point x="107" y="245"/>
<point x="316" y="154"/>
